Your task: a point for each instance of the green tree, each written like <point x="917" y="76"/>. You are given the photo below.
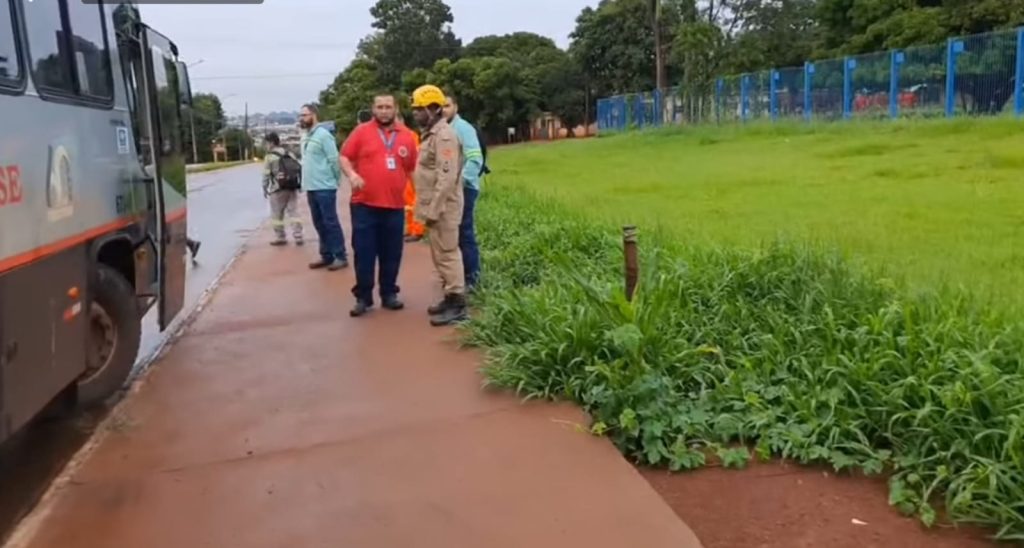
<point x="410" y="34"/>
<point x="978" y="16"/>
<point x="557" y="77"/>
<point x="562" y="87"/>
<point x="209" y="120"/>
<point x="614" y="44"/>
<point x="236" y="142"/>
<point x="861" y="26"/>
<point x="699" y="50"/>
<point x="518" y="46"/>
<point x="351" y="91"/>
<point x="493" y="92"/>
<point x="508" y="95"/>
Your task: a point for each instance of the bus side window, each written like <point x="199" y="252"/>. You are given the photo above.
<point x="10" y="65"/>
<point x="92" y="56"/>
<point x="50" y="59"/>
<point x="69" y="48"/>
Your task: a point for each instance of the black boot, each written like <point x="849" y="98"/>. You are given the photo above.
<point x="456" y="311"/>
<point x="439" y="307"/>
<point x="193" y="247"/>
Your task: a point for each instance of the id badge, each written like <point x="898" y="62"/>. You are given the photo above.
<point x="392" y="164"/>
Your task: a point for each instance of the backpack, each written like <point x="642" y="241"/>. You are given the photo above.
<point x="484" y="170"/>
<point x="289" y="173"/>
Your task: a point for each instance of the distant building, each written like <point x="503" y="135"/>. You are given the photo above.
<point x="547" y="126"/>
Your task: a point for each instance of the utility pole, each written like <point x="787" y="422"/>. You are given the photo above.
<point x="245" y="130"/>
<point x="659" y="51"/>
<point x="192" y="122"/>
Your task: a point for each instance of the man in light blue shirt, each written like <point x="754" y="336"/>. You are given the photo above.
<point x="472" y="172"/>
<point x="321" y="172"/>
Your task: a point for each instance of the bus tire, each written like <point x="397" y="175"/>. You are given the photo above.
<point x="114" y="332"/>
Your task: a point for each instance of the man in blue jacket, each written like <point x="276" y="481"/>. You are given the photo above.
<point x="321" y="172"/>
<point x="472" y="171"/>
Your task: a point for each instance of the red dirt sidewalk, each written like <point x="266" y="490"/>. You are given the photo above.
<point x="277" y="421"/>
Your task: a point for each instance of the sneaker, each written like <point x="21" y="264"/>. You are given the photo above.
<point x="361" y="308"/>
<point x="392" y="303"/>
<point x="338" y="264"/>
<point x="299" y="242"/>
<point x="279" y="243"/>
<point x="319" y="265"/>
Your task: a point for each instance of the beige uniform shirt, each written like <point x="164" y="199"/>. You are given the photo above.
<point x="438" y="176"/>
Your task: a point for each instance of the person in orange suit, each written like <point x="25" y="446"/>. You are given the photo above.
<point x="413" y="231"/>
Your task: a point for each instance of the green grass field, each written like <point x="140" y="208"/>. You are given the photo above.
<point x="933" y="201"/>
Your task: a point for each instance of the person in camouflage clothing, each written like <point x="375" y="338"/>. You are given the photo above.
<point x="284" y="203"/>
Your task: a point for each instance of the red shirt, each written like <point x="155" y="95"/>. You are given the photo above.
<point x="372" y="159"/>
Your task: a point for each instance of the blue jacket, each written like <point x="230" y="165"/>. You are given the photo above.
<point x="474" y="157"/>
<point x="321" y="169"/>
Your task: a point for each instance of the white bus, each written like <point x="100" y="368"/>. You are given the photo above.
<point x="92" y="197"/>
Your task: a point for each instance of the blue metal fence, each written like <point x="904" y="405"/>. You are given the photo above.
<point x="973" y="75"/>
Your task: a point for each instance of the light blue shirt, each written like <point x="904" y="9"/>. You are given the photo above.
<point x="320" y="167"/>
<point x="474" y="157"/>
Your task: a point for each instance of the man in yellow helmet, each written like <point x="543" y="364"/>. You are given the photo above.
<point x="439" y="200"/>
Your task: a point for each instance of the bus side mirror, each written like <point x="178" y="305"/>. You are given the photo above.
<point x="184" y="84"/>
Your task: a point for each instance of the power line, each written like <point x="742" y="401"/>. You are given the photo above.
<point x="266" y="76"/>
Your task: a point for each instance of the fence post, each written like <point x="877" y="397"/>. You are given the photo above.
<point x="629" y="251"/>
<point x="849" y="65"/>
<point x="773" y="88"/>
<point x="719" y="89"/>
<point x="954" y="47"/>
<point x="674" y="95"/>
<point x="808" y="104"/>
<point x="1018" y="92"/>
<point x="895" y="61"/>
<point x="624" y="117"/>
<point x="744" y="97"/>
<point x="659" y="105"/>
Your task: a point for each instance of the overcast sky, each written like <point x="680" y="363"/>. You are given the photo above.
<point x="282" y="53"/>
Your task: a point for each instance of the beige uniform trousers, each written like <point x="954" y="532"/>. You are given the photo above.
<point x="284" y="211"/>
<point x="444" y="248"/>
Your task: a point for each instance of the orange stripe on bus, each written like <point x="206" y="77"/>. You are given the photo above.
<point x="176" y="215"/>
<point x="47" y="250"/>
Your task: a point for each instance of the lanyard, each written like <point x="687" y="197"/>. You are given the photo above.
<point x="388" y="143"/>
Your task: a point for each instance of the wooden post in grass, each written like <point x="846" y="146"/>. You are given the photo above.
<point x="632" y="267"/>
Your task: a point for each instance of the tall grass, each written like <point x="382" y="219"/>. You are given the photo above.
<point x="788" y="350"/>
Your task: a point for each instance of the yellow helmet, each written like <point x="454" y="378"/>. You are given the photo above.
<point x="424" y="96"/>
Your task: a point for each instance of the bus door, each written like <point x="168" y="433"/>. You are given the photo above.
<point x="166" y="90"/>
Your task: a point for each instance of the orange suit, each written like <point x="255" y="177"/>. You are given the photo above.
<point x="413" y="229"/>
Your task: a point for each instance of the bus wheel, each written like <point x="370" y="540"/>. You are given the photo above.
<point x="113" y="340"/>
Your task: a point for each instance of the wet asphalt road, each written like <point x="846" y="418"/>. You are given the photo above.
<point x="225" y="208"/>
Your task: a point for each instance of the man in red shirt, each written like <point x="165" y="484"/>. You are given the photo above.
<point x="378" y="158"/>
